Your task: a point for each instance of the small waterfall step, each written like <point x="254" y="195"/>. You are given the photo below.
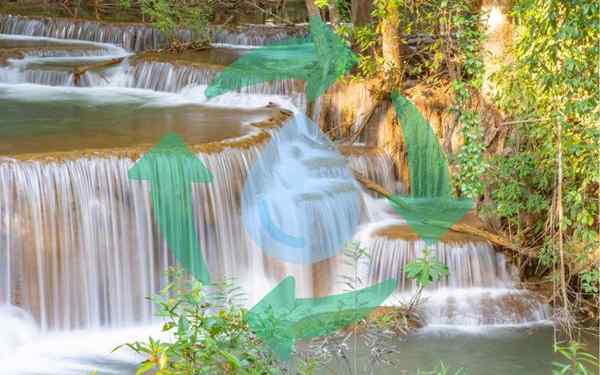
<point x="140" y="37"/>
<point x="373" y="163"/>
<point x="80" y="248"/>
<point x="57" y="61"/>
<point x="480" y="290"/>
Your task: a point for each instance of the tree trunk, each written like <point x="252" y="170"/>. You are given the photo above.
<point x="561" y="251"/>
<point x="361" y="12"/>
<point x="498" y="32"/>
<point x="334" y="14"/>
<point x="97" y="6"/>
<point x="390" y="45"/>
<point x="312" y="8"/>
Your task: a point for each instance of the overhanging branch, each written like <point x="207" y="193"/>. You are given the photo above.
<point x="458" y="227"/>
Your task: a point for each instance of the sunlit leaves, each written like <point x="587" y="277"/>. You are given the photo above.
<point x="578" y="360"/>
<point x="208" y="333"/>
<point x="426" y="269"/>
<point x="552" y="80"/>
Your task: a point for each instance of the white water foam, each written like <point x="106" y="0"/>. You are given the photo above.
<point x="80" y="352"/>
<point x="17" y="329"/>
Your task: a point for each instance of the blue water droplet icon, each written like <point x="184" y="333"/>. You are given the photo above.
<point x="301" y="203"/>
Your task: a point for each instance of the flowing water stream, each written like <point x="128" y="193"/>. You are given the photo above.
<point x="79" y="250"/>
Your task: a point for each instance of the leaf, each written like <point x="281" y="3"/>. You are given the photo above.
<point x="182" y="326"/>
<point x="144" y="368"/>
<point x="168" y="326"/>
<point x="118" y="347"/>
<point x="163" y="360"/>
<point x="233" y="361"/>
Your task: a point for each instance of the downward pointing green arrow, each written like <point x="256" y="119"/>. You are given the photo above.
<point x="280" y="318"/>
<point x="171" y="168"/>
<point x="431" y="210"/>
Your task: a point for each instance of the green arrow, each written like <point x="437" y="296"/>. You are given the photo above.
<point x="280" y="318"/>
<point x="171" y="168"/>
<point x="319" y="60"/>
<point x="430" y="210"/>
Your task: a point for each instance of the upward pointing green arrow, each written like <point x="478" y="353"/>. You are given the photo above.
<point x="280" y="318"/>
<point x="171" y="168"/>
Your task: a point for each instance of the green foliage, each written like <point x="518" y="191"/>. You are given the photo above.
<point x="426" y="269"/>
<point x="465" y="65"/>
<point x="590" y="281"/>
<point x="321" y="3"/>
<point x="343" y="7"/>
<point x="210" y="334"/>
<point x="365" y="39"/>
<point x="169" y="16"/>
<point x="579" y="362"/>
<point x="551" y="85"/>
<point x="447" y="39"/>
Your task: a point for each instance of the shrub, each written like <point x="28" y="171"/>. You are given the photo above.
<point x="210" y="334"/>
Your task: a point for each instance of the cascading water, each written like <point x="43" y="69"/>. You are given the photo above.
<point x="79" y="248"/>
<point x="169" y="77"/>
<point x="17" y="327"/>
<point x="55" y="65"/>
<point x="137" y="37"/>
<point x="83" y="251"/>
<point x="130" y="37"/>
<point x="478" y="291"/>
<point x="159" y="76"/>
<point x="374" y="164"/>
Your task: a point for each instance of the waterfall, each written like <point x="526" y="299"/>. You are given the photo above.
<point x="300" y="200"/>
<point x="479" y="289"/>
<point x="82" y="250"/>
<point x="156" y="76"/>
<point x="139" y="37"/>
<point x="374" y="164"/>
<point x="17" y="327"/>
<point x="51" y="78"/>
<point x="50" y="61"/>
<point x="54" y="64"/>
<point x="79" y="247"/>
<point x="256" y="35"/>
<point x="159" y="76"/>
<point x="133" y="37"/>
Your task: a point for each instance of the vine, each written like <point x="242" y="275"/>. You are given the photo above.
<point x="460" y="27"/>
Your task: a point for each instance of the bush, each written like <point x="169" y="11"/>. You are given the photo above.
<point x="169" y="16"/>
<point x="210" y="334"/>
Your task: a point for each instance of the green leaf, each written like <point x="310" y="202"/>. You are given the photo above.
<point x="144" y="368"/>
<point x="163" y="360"/>
<point x="231" y="359"/>
<point x="182" y="326"/>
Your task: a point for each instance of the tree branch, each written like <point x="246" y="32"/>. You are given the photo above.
<point x="80" y="71"/>
<point x="458" y="227"/>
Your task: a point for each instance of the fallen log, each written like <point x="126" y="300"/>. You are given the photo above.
<point x="81" y="70"/>
<point x="457" y="227"/>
